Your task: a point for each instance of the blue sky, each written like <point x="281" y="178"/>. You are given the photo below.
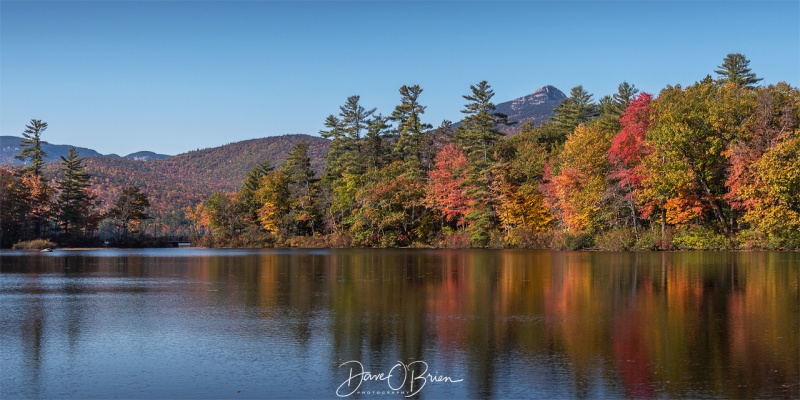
<point x="174" y="76"/>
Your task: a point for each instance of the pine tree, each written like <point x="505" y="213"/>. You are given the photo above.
<point x="355" y="118"/>
<point x="376" y="143"/>
<point x="477" y="138"/>
<point x="410" y="128"/>
<point x="735" y="68"/>
<point x="302" y="187"/>
<point x="335" y="163"/>
<point x="345" y="133"/>
<point x="612" y="107"/>
<point x="32" y="147"/>
<point x="73" y="202"/>
<point x="479" y="132"/>
<point x="576" y="109"/>
<point x="246" y="196"/>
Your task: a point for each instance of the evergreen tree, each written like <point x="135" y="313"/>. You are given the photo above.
<point x="32" y="147"/>
<point x="345" y="133"/>
<point x="576" y="109"/>
<point x="612" y="107"/>
<point x="477" y="138"/>
<point x="335" y="163"/>
<point x="246" y="196"/>
<point x="735" y="68"/>
<point x="130" y="210"/>
<point x="355" y="118"/>
<point x="479" y="132"/>
<point x="74" y="202"/>
<point x="376" y="142"/>
<point x="410" y="128"/>
<point x="302" y="187"/>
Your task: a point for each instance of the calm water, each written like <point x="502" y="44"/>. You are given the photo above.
<point x="191" y="323"/>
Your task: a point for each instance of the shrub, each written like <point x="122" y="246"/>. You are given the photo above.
<point x="754" y="239"/>
<point x="571" y="241"/>
<point x="649" y="239"/>
<point x="699" y="238"/>
<point x="616" y="239"/>
<point x="525" y="239"/>
<point x="36" y="244"/>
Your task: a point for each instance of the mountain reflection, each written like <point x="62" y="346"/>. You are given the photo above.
<point x="510" y="323"/>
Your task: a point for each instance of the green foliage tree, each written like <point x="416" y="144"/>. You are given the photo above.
<point x="376" y="146"/>
<point x="477" y="137"/>
<point x="303" y="191"/>
<point x="130" y="210"/>
<point x="408" y="145"/>
<point x="335" y="164"/>
<point x="612" y="107"/>
<point x="576" y="109"/>
<point x="735" y="68"/>
<point x="246" y="196"/>
<point x="390" y="208"/>
<point x="224" y="215"/>
<point x="74" y="201"/>
<point x="32" y="147"/>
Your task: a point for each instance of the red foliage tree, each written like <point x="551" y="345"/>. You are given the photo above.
<point x="445" y="190"/>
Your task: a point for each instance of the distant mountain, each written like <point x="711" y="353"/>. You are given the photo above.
<point x="186" y="179"/>
<point x="146" y="156"/>
<point x="535" y="108"/>
<point x="9" y="147"/>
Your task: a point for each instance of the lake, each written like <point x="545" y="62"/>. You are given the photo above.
<point x="375" y="324"/>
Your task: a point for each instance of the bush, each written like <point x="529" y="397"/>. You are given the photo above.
<point x="753" y="239"/>
<point x="36" y="244"/>
<point x="525" y="239"/>
<point x="616" y="239"/>
<point x="309" y="242"/>
<point x="650" y="239"/>
<point x="699" y="238"/>
<point x="571" y="241"/>
<point x="448" y="238"/>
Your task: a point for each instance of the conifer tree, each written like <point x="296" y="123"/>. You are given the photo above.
<point x="479" y="132"/>
<point x="735" y="68"/>
<point x="376" y="143"/>
<point x="246" y="196"/>
<point x="335" y="163"/>
<point x="576" y="109"/>
<point x="302" y="187"/>
<point x="612" y="107"/>
<point x="73" y="201"/>
<point x="410" y="128"/>
<point x="477" y="138"/>
<point x="32" y="147"/>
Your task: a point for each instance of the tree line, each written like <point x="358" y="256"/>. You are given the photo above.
<point x="65" y="209"/>
<point x="713" y="165"/>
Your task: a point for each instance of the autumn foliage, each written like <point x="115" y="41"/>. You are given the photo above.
<point x="715" y="164"/>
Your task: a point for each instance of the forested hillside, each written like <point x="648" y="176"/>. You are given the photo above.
<point x="183" y="180"/>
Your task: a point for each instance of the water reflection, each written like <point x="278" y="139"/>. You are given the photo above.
<point x="510" y="323"/>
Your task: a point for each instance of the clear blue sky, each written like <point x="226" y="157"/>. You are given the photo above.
<point x="123" y="76"/>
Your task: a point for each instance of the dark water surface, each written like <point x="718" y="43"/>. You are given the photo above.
<point x="189" y="323"/>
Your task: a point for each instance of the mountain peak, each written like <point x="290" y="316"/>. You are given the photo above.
<point x="551" y="92"/>
<point x="535" y="108"/>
